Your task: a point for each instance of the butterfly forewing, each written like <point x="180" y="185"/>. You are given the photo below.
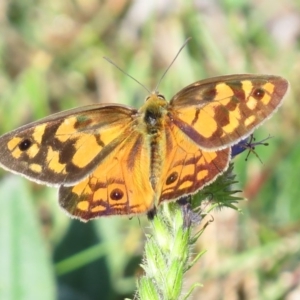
<point x="218" y="112"/>
<point x="64" y="148"/>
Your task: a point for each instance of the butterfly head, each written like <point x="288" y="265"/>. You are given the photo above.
<point x="154" y="109"/>
<point x="156" y="97"/>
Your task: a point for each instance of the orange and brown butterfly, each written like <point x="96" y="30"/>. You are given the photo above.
<point x="117" y="160"/>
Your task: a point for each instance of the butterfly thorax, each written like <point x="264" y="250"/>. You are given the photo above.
<point x="153" y="114"/>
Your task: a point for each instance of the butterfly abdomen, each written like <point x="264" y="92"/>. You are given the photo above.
<point x="153" y="112"/>
<point x="155" y="160"/>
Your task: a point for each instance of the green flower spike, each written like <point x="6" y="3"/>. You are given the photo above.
<point x="167" y="254"/>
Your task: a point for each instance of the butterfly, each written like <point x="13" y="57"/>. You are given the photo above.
<point x="117" y="160"/>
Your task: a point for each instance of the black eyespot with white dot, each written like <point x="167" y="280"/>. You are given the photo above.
<point x="258" y="93"/>
<point x="25" y="144"/>
<point x="172" y="178"/>
<point x="116" y="194"/>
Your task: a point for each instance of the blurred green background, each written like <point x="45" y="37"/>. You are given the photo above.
<point x="51" y="60"/>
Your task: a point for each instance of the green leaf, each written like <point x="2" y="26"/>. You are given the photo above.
<point x="26" y="271"/>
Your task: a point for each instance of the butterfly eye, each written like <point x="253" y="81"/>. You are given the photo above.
<point x="161" y="97"/>
<point x="258" y="93"/>
<point x="25" y="144"/>
<point x="172" y="178"/>
<point x="116" y="194"/>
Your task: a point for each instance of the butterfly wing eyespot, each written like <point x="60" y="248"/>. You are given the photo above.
<point x="218" y="112"/>
<point x="258" y="93"/>
<point x="172" y="178"/>
<point x="64" y="148"/>
<point x="25" y="144"/>
<point x="116" y="194"/>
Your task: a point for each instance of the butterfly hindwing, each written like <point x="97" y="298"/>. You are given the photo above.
<point x="118" y="186"/>
<point x="187" y="168"/>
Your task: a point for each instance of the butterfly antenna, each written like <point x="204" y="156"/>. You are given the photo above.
<point x="114" y="64"/>
<point x="164" y="74"/>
